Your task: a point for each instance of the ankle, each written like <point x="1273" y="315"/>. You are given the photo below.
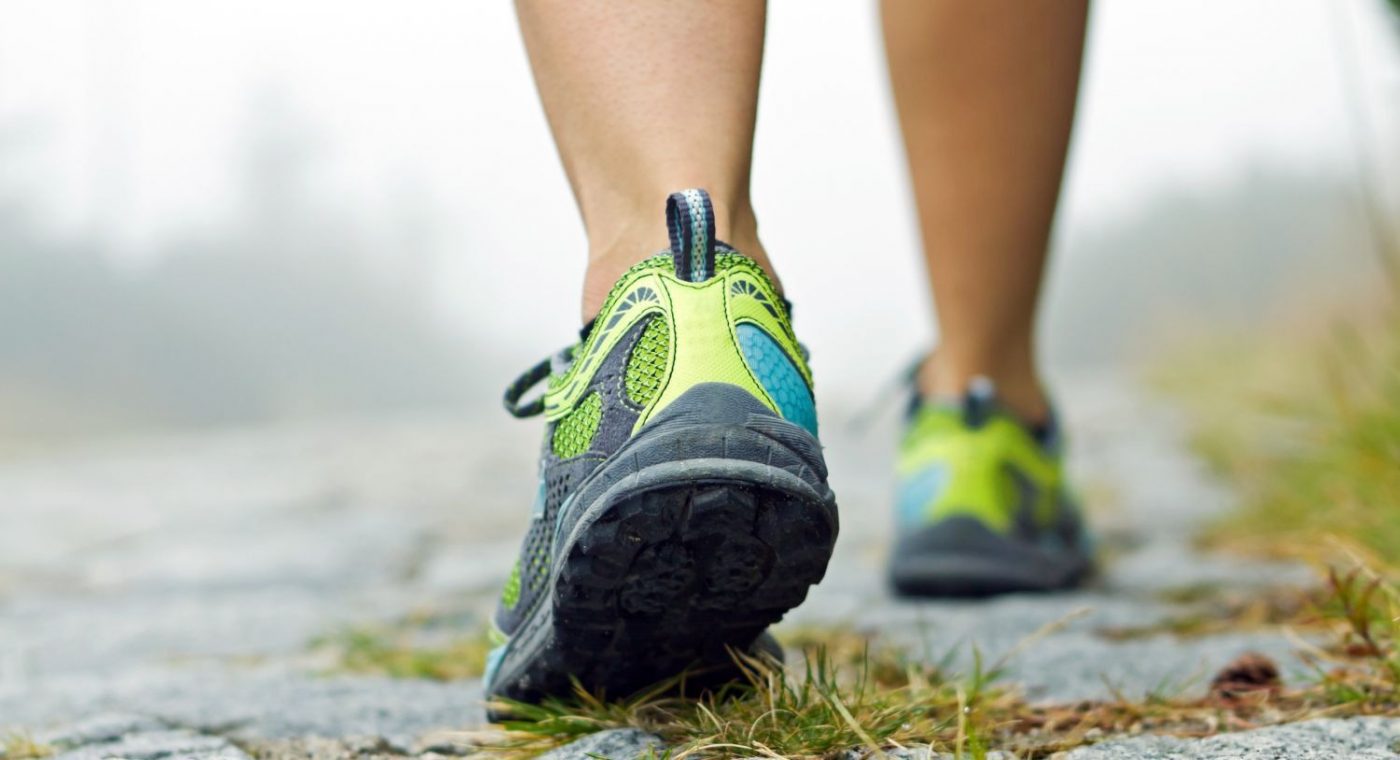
<point x="947" y="375"/>
<point x="612" y="251"/>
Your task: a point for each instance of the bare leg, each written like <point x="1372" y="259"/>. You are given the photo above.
<point x="645" y="98"/>
<point x="985" y="92"/>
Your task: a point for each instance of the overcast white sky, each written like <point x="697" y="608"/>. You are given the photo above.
<point x="128" y="115"/>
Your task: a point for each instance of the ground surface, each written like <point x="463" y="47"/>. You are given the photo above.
<point x="158" y="597"/>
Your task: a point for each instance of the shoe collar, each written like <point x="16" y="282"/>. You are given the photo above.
<point x="980" y="404"/>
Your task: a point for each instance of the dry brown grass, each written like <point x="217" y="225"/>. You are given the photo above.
<point x="848" y="691"/>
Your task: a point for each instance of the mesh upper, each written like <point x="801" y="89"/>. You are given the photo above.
<point x="574" y="433"/>
<point x="531" y="571"/>
<point x="510" y="595"/>
<point x="647" y="365"/>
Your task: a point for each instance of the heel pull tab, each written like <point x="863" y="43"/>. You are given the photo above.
<point x="980" y="401"/>
<point x="690" y="219"/>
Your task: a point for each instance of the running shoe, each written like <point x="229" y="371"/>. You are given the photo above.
<point x="983" y="506"/>
<point x="683" y="504"/>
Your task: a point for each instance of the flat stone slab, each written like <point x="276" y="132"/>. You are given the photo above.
<point x="129" y="736"/>
<point x="617" y="744"/>
<point x="100" y="729"/>
<point x="319" y="748"/>
<point x="159" y="745"/>
<point x="260" y="705"/>
<point x="1356" y="739"/>
<point x="1326" y="739"/>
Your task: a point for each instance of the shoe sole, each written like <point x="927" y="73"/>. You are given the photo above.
<point x="961" y="558"/>
<point x="676" y="563"/>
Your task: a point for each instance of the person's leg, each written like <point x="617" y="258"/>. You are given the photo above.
<point x="683" y="504"/>
<point x="644" y="98"/>
<point x="985" y="92"/>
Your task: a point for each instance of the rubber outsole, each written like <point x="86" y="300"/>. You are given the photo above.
<point x="695" y="535"/>
<point x="666" y="580"/>
<point x="961" y="558"/>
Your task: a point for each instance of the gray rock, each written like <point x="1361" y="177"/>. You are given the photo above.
<point x="319" y="748"/>
<point x="616" y="744"/>
<point x="104" y="727"/>
<point x="1356" y="738"/>
<point x="914" y="753"/>
<point x="159" y="745"/>
<point x="256" y="703"/>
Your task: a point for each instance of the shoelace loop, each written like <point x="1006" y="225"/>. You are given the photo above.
<point x="516" y="390"/>
<point x="896" y="384"/>
<point x="554" y="364"/>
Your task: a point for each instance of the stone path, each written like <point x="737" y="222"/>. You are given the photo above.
<point x="158" y="597"/>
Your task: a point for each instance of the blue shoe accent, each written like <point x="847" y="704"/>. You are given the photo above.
<point x="917" y="492"/>
<point x="537" y="509"/>
<point x="778" y="376"/>
<point x="493" y="663"/>
<point x="559" y="518"/>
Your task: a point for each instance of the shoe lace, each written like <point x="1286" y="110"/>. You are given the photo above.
<point x="901" y="383"/>
<point x="554" y="364"/>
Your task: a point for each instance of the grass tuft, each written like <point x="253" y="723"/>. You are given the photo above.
<point x="835" y="700"/>
<point x="1366" y="610"/>
<point x="21" y="746"/>
<point x="1307" y="431"/>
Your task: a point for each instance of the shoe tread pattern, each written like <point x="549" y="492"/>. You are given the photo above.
<point x="667" y="579"/>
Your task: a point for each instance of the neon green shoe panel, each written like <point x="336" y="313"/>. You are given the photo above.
<point x="707" y="321"/>
<point x="637" y="295"/>
<point x="705" y="328"/>
<point x="948" y="468"/>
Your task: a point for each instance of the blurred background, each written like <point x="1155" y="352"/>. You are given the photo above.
<point x="223" y="214"/>
<point x="266" y="267"/>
